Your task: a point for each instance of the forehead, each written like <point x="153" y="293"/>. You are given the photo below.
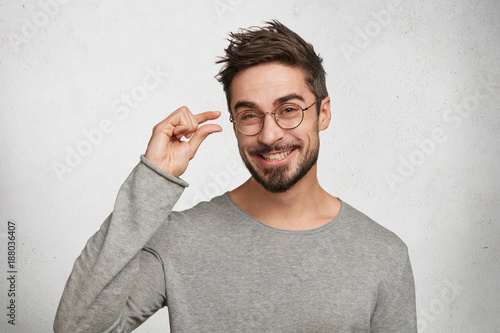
<point x="262" y="84"/>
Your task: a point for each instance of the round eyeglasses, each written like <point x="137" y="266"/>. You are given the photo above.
<point x="286" y="115"/>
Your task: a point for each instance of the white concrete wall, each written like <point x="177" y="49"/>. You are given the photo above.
<point x="414" y="141"/>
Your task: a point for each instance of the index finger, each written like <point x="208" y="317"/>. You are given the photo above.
<point x="207" y="115"/>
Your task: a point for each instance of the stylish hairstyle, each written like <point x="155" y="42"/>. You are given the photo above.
<point x="271" y="43"/>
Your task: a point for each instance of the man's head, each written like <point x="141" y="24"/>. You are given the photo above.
<point x="271" y="43"/>
<point x="264" y="70"/>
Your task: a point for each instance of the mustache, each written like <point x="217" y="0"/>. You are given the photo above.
<point x="266" y="149"/>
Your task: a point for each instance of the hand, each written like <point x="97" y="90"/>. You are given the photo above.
<point x="165" y="148"/>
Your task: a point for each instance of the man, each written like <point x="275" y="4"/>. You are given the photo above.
<point x="276" y="254"/>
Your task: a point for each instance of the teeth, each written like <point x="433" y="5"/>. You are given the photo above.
<point x="276" y="157"/>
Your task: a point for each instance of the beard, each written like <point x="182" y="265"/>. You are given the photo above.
<point x="281" y="178"/>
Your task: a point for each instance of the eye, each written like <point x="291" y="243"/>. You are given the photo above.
<point x="248" y="116"/>
<point x="288" y="109"/>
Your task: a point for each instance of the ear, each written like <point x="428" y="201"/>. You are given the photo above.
<point x="324" y="114"/>
<point x="233" y="123"/>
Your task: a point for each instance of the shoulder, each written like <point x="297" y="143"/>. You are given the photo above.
<point x="369" y="236"/>
<point x="217" y="206"/>
<point x="193" y="221"/>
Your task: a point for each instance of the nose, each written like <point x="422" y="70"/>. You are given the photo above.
<point x="271" y="132"/>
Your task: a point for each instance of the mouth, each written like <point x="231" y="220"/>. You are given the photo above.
<point x="278" y="156"/>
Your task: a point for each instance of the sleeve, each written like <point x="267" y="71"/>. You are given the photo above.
<point x="395" y="311"/>
<point x="116" y="283"/>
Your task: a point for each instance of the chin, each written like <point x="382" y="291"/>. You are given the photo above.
<point x="280" y="179"/>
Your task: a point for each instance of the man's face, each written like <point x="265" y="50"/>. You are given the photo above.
<point x="278" y="158"/>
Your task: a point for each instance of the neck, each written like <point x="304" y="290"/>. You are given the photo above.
<point x="304" y="206"/>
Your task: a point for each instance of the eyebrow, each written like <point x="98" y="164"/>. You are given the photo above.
<point x="287" y="98"/>
<point x="277" y="101"/>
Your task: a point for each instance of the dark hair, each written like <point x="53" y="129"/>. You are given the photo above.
<point x="271" y="43"/>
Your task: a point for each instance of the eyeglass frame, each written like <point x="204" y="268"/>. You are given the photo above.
<point x="262" y="115"/>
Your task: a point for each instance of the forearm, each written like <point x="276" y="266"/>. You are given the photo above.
<point x="99" y="286"/>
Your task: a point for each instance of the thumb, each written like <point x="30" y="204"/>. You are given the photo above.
<point x="200" y="135"/>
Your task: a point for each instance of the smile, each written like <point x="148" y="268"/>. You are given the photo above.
<point x="276" y="156"/>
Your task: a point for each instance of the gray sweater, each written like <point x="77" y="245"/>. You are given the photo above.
<point x="220" y="270"/>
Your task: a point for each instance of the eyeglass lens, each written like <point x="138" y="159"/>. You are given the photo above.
<point x="288" y="116"/>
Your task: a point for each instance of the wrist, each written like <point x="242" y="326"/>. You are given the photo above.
<point x="165" y="174"/>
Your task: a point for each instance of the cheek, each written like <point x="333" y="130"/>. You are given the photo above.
<point x="305" y="134"/>
<point x="243" y="142"/>
<point x="312" y="140"/>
